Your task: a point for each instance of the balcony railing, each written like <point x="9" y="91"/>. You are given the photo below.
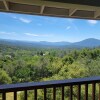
<point x="70" y="83"/>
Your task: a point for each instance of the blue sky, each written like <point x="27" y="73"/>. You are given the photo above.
<point x="40" y="28"/>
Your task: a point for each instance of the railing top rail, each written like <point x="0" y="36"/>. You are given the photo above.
<point x="46" y="84"/>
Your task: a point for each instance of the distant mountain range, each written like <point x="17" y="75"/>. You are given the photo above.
<point x="90" y="42"/>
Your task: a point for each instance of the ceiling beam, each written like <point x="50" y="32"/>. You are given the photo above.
<point x="54" y="4"/>
<point x="6" y="5"/>
<point x="72" y="11"/>
<point x="97" y="13"/>
<point x="39" y="6"/>
<point x="42" y="9"/>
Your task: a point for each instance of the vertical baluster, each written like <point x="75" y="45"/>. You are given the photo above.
<point x="45" y="93"/>
<point x="35" y="94"/>
<point x="15" y="95"/>
<point x="79" y="92"/>
<point x="86" y="91"/>
<point x="71" y="92"/>
<point x="25" y="95"/>
<point x="54" y="93"/>
<point x="3" y="96"/>
<point x="62" y="92"/>
<point x="93" y="91"/>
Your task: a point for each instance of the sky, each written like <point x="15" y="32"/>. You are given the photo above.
<point x="42" y="28"/>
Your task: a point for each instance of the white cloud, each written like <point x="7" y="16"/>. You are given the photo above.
<point x="38" y="35"/>
<point x="93" y="22"/>
<point x="68" y="27"/>
<point x="25" y="20"/>
<point x="30" y="34"/>
<point x="4" y="33"/>
<point x="46" y="35"/>
<point x="73" y="25"/>
<point x="8" y="33"/>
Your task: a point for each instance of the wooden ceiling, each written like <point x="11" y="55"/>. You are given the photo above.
<point x="87" y="9"/>
<point x="81" y="2"/>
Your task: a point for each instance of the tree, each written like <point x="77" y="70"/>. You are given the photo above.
<point x="4" y="77"/>
<point x="23" y="74"/>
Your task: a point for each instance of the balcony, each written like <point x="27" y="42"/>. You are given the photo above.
<point x="70" y="83"/>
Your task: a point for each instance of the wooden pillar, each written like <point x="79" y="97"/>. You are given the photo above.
<point x="86" y="91"/>
<point x="79" y="92"/>
<point x="62" y="92"/>
<point x="71" y="93"/>
<point x="45" y="98"/>
<point x="54" y="93"/>
<point x="25" y="95"/>
<point x="15" y="95"/>
<point x="3" y="96"/>
<point x="93" y="91"/>
<point x="35" y="94"/>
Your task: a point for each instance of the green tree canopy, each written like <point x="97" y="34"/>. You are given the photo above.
<point x="4" y="77"/>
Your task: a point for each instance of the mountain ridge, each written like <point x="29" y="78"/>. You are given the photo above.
<point x="90" y="42"/>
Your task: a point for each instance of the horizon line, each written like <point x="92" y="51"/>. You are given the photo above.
<point x="45" y="41"/>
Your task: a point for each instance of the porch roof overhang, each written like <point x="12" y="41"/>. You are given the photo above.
<point x="87" y="9"/>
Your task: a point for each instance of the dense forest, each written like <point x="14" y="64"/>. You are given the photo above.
<point x="23" y="64"/>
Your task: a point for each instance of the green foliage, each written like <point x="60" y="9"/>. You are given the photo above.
<point x="20" y="64"/>
<point x="4" y="77"/>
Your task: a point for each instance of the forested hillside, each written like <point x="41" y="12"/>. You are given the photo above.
<point x="23" y="64"/>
